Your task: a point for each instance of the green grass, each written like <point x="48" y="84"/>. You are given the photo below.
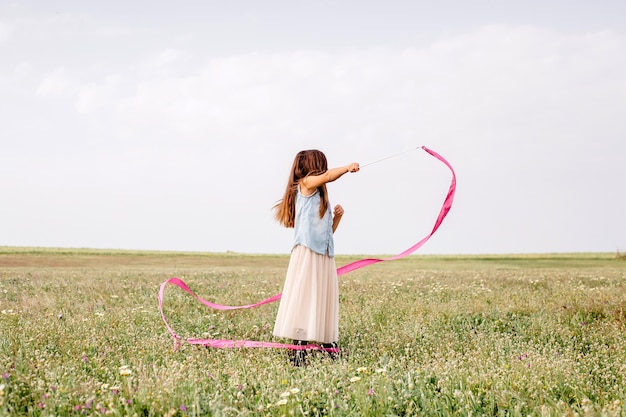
<point x="81" y="334"/>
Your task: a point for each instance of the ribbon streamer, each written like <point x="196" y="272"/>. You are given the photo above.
<point x="216" y="343"/>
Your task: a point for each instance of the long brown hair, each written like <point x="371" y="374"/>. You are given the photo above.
<point x="310" y="162"/>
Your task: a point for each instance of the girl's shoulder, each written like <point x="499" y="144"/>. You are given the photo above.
<point x="305" y="191"/>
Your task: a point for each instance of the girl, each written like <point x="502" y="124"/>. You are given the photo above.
<point x="309" y="306"/>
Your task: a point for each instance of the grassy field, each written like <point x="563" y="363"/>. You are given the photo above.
<point x="540" y="335"/>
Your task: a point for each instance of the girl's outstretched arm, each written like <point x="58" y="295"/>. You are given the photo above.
<point x="311" y="182"/>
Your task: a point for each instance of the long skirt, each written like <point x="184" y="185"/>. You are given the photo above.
<point x="309" y="306"/>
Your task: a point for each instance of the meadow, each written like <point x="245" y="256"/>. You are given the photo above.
<point x="538" y="335"/>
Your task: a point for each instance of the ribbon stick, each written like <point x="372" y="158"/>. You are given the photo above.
<point x="388" y="157"/>
<point x="445" y="208"/>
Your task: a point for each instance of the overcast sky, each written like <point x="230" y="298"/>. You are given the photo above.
<point x="173" y="125"/>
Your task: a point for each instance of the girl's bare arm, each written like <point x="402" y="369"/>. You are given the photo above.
<point x="311" y="182"/>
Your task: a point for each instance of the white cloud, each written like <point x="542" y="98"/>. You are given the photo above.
<point x="22" y="69"/>
<point x="169" y="56"/>
<point x="56" y="83"/>
<point x="93" y="96"/>
<point x="480" y="80"/>
<point x="5" y="31"/>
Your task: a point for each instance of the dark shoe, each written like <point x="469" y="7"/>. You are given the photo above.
<point x="334" y="354"/>
<point x="298" y="356"/>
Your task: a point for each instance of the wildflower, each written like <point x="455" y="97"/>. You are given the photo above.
<point x="89" y="402"/>
<point x="380" y="371"/>
<point x="294" y="390"/>
<point x="282" y="402"/>
<point x="183" y="408"/>
<point x="115" y="390"/>
<point x="5" y="376"/>
<point x="361" y="369"/>
<point x="355" y="378"/>
<point x="370" y="391"/>
<point x="1" y="390"/>
<point x="125" y="370"/>
<point x="285" y="394"/>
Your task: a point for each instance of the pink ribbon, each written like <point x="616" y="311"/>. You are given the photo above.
<point x="447" y="204"/>
<point x="445" y="208"/>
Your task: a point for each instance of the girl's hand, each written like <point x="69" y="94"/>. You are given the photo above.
<point x="353" y="167"/>
<point x="338" y="211"/>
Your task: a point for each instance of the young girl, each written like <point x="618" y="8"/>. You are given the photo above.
<point x="309" y="306"/>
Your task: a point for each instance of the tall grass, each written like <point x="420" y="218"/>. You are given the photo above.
<point x="80" y="334"/>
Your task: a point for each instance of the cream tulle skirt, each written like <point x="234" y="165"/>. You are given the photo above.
<point x="309" y="306"/>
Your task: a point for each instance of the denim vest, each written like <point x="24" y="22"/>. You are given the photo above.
<point x="311" y="231"/>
